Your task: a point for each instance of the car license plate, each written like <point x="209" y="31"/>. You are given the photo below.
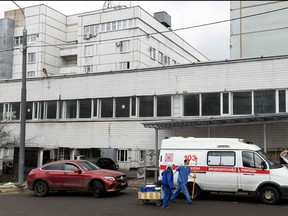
<point x="123" y="183"/>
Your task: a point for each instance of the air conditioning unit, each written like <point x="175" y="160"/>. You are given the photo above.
<point x="87" y="36"/>
<point x="118" y="44"/>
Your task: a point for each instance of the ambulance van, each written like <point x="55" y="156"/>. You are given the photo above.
<point x="226" y="165"/>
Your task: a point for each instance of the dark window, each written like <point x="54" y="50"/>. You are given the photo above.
<point x="251" y="159"/>
<point x="59" y="166"/>
<point x="163" y="105"/>
<point x="242" y="103"/>
<point x="16" y="111"/>
<point x="264" y="101"/>
<point x="85" y="108"/>
<point x="51" y="109"/>
<point x="122" y="107"/>
<point x="133" y="106"/>
<point x="211" y="104"/>
<point x="225" y="103"/>
<point x="71" y="109"/>
<point x="191" y="105"/>
<point x="95" y="112"/>
<point x="106" y="107"/>
<point x="282" y="101"/>
<point x="29" y="110"/>
<point x="1" y="111"/>
<point x="146" y="106"/>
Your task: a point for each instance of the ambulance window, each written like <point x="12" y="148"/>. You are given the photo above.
<point x="251" y="159"/>
<point x="221" y="158"/>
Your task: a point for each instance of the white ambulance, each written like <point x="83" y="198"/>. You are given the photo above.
<point x="226" y="165"/>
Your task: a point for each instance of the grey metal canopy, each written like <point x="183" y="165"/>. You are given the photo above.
<point x="216" y="121"/>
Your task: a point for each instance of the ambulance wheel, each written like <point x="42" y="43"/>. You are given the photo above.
<point x="197" y="191"/>
<point x="158" y="203"/>
<point x="141" y="201"/>
<point x="269" y="195"/>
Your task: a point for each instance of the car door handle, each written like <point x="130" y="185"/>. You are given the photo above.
<point x="46" y="172"/>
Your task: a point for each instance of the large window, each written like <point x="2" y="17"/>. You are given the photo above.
<point x="210" y="104"/>
<point x="29" y="110"/>
<point x="31" y="57"/>
<point x="191" y="105"/>
<point x="242" y="103"/>
<point x="225" y="103"/>
<point x="107" y="107"/>
<point x="146" y="104"/>
<point x="51" y="109"/>
<point x="122" y="107"/>
<point x="124" y="65"/>
<point x="124" y="46"/>
<point x="95" y="107"/>
<point x="85" y="108"/>
<point x="250" y="159"/>
<point x="164" y="105"/>
<point x="71" y="109"/>
<point x="264" y="101"/>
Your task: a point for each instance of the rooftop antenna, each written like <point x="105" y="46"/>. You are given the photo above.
<point x="107" y="4"/>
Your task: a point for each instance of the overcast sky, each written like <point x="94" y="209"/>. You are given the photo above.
<point x="212" y="41"/>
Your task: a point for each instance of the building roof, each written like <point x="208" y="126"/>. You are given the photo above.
<point x="217" y="121"/>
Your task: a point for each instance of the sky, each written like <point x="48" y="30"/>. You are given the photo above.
<point x="213" y="41"/>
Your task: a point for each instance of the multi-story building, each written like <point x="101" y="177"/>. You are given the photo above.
<point x="258" y="28"/>
<point x="127" y="112"/>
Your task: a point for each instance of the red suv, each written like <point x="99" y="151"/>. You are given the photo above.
<point x="71" y="175"/>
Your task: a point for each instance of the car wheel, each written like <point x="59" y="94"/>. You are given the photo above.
<point x="269" y="195"/>
<point x="97" y="189"/>
<point x="41" y="188"/>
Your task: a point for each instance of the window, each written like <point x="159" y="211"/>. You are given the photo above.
<point x="108" y="26"/>
<point x="103" y="27"/>
<point x="124" y="65"/>
<point x="39" y="110"/>
<point x="250" y="159"/>
<point x="29" y="110"/>
<point x="31" y="57"/>
<point x="30" y="74"/>
<point x="133" y="106"/>
<point x="54" y="167"/>
<point x="160" y="57"/>
<point x="114" y="26"/>
<point x="124" y="46"/>
<point x="31" y="38"/>
<point x="282" y="101"/>
<point x="119" y="25"/>
<point x="221" y="158"/>
<point x="18" y="40"/>
<point x="122" y="107"/>
<point x="242" y="103"/>
<point x="210" y="104"/>
<point x="122" y="155"/>
<point x="70" y="167"/>
<point x="264" y="101"/>
<point x="146" y="104"/>
<point x="191" y="105"/>
<point x="85" y="108"/>
<point x="51" y="109"/>
<point x="71" y="109"/>
<point x="106" y="107"/>
<point x="95" y="107"/>
<point x="164" y="105"/>
<point x="88" y="50"/>
<point x="225" y="103"/>
<point x="152" y="53"/>
<point x="142" y="155"/>
<point x="88" y="68"/>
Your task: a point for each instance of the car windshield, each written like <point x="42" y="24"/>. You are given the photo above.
<point x="266" y="157"/>
<point x="87" y="165"/>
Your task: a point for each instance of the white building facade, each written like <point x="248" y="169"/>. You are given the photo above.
<point x="104" y="111"/>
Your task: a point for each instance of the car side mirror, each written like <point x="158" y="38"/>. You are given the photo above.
<point x="263" y="165"/>
<point x="79" y="171"/>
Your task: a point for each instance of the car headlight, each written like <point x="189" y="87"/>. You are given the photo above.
<point x="110" y="178"/>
